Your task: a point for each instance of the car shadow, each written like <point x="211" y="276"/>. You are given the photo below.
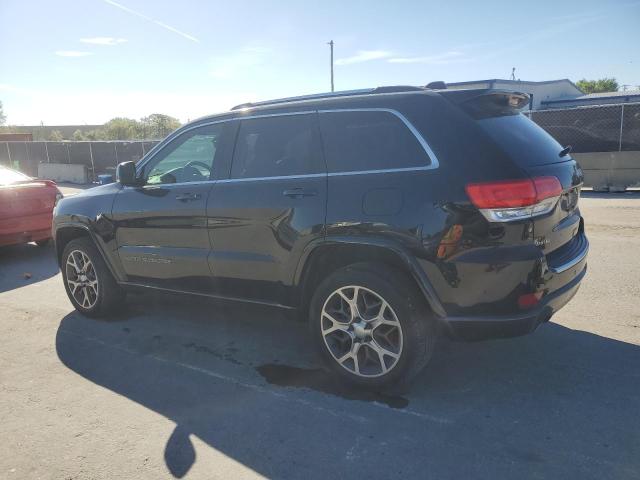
<point x="25" y="264"/>
<point x="556" y="404"/>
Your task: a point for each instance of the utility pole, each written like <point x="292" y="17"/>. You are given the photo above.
<point x="331" y="45"/>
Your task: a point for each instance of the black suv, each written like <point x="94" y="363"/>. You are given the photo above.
<point x="384" y="216"/>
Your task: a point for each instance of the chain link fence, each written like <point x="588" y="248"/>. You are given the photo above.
<point x="601" y="128"/>
<point x="98" y="157"/>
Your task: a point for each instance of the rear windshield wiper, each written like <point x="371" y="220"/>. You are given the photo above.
<point x="565" y="151"/>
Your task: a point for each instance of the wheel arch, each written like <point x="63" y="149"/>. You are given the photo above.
<point x="325" y="257"/>
<point x="67" y="232"/>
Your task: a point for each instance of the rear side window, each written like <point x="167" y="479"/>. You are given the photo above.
<point x="369" y="140"/>
<point x="525" y="142"/>
<point x="278" y="146"/>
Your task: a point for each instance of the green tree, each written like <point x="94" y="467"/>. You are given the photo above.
<point x="157" y="125"/>
<point x="56" y="136"/>
<point x="95" y="134"/>
<point x="3" y="117"/>
<point x="598" y="86"/>
<point x="78" y="136"/>
<point x="120" y="128"/>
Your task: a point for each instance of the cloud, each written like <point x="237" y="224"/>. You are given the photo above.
<point x="103" y="40"/>
<point x="364" y="56"/>
<point x="72" y="53"/>
<point x="441" y="58"/>
<point x="152" y="20"/>
<point x="227" y="66"/>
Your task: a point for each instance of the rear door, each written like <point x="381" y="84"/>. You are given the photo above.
<point x="271" y="207"/>
<point x="161" y="226"/>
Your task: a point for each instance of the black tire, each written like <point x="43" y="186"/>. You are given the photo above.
<point x="418" y="327"/>
<point x="110" y="297"/>
<point x="43" y="243"/>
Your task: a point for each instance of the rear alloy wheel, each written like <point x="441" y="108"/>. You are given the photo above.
<point x="361" y="331"/>
<point x="372" y="326"/>
<point x="87" y="280"/>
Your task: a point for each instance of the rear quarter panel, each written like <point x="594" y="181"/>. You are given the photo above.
<point x="473" y="267"/>
<point x="26" y="208"/>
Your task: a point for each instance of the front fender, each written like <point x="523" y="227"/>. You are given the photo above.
<point x="90" y="211"/>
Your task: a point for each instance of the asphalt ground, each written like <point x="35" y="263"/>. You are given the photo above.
<point x="187" y="387"/>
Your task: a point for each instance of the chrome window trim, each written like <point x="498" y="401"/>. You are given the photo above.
<point x="430" y="153"/>
<point x="152" y="186"/>
<point x="279" y="177"/>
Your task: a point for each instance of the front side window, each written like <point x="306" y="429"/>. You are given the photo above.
<point x="277" y="146"/>
<point x="188" y="158"/>
<point x="369" y="140"/>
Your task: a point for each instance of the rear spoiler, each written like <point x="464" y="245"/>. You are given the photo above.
<point x="488" y="102"/>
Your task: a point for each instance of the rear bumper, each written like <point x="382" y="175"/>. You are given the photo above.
<point x="483" y="328"/>
<point x="26" y="228"/>
<point x="24" y="237"/>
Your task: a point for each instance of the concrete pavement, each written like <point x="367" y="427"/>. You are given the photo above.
<point x="186" y="387"/>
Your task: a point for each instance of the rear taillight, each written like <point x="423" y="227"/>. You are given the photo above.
<point x="512" y="200"/>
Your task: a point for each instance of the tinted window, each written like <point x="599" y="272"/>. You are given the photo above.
<point x="524" y="141"/>
<point x="277" y="146"/>
<point x="356" y="141"/>
<point x="188" y="158"/>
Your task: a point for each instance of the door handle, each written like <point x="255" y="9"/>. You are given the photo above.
<point x="188" y="197"/>
<point x="299" y="193"/>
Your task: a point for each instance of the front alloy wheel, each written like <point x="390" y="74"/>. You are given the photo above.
<point x="82" y="279"/>
<point x="88" y="281"/>
<point x="361" y="331"/>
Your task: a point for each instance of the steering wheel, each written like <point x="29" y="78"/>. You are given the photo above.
<point x="199" y="164"/>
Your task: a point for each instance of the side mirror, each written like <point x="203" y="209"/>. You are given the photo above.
<point x="126" y="173"/>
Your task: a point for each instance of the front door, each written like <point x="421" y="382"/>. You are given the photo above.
<point x="271" y="207"/>
<point x="161" y="226"/>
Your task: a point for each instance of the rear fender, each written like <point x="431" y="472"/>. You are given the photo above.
<point x="403" y="257"/>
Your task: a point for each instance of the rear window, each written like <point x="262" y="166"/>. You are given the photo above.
<point x="525" y="142"/>
<point x="375" y="140"/>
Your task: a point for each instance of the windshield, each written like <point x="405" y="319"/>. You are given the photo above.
<point x="8" y="176"/>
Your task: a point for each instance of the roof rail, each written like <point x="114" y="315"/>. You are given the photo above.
<point x="315" y="96"/>
<point x="343" y="93"/>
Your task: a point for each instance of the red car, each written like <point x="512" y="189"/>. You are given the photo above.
<point x="26" y="208"/>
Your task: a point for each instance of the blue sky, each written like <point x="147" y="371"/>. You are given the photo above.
<point x="74" y="62"/>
